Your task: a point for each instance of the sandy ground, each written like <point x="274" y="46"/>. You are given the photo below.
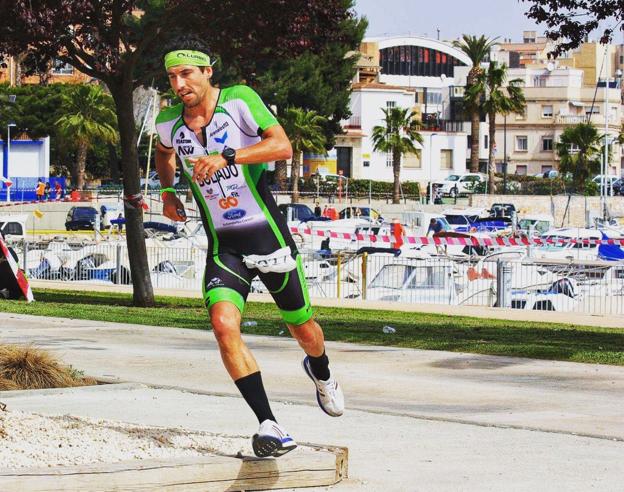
<point x="33" y="440"/>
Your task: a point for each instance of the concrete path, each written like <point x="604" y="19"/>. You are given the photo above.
<point x="416" y="420"/>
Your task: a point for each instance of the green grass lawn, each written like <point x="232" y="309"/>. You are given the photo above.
<point x="413" y="330"/>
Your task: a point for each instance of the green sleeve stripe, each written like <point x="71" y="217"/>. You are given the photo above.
<point x="260" y="113"/>
<point x="177" y="125"/>
<point x="168" y="114"/>
<point x="220" y="294"/>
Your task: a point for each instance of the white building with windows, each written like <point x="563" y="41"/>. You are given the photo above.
<point x="422" y="74"/>
<point x="557" y="98"/>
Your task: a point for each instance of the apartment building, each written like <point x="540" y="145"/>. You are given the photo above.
<point x="422" y="74"/>
<point x="560" y="93"/>
<point x="11" y="72"/>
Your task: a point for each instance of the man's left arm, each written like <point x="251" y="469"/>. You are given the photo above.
<point x="274" y="146"/>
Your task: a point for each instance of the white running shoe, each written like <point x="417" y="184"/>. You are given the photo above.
<point x="272" y="440"/>
<point x="328" y="394"/>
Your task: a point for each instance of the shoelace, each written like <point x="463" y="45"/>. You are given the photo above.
<point x="329" y="386"/>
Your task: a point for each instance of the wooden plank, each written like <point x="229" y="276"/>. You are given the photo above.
<point x="312" y="466"/>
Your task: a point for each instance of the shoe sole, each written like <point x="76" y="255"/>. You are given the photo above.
<point x="318" y="396"/>
<point x="265" y="446"/>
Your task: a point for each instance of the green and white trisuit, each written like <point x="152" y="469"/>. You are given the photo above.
<point x="245" y="229"/>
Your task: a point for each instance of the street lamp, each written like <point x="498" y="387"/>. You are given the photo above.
<point x="8" y="151"/>
<point x="431" y="167"/>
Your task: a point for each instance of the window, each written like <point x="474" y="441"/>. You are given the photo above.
<point x="61" y="68"/>
<point x="486" y="141"/>
<point x="366" y="164"/>
<point x="522" y="116"/>
<point x="446" y="159"/>
<point x="574" y="149"/>
<point x="547" y="144"/>
<point x="390" y="104"/>
<point x="469" y="140"/>
<point x="589" y="110"/>
<point x="434" y="97"/>
<point x="522" y="143"/>
<point x="547" y="111"/>
<point x="521" y="170"/>
<point x="546" y="169"/>
<point x="413" y="161"/>
<point x="388" y="159"/>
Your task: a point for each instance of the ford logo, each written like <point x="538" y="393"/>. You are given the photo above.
<point x="234" y="214"/>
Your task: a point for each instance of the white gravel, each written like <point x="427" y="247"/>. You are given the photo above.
<point x="29" y="440"/>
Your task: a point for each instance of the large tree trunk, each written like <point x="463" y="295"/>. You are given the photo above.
<point x="396" y="170"/>
<point x="143" y="294"/>
<point x="79" y="165"/>
<point x="491" y="155"/>
<point x="281" y="175"/>
<point x="294" y="176"/>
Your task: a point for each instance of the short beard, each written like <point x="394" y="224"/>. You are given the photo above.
<point x="192" y="104"/>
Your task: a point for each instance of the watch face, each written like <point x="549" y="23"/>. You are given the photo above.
<point x="228" y="153"/>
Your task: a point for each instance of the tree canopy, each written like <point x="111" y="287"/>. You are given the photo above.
<point x="119" y="42"/>
<point x="571" y="21"/>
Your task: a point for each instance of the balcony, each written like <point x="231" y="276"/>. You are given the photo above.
<point x="596" y="119"/>
<point x="444" y="126"/>
<point x="353" y="123"/>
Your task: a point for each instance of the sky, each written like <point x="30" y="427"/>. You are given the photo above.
<point x="504" y="18"/>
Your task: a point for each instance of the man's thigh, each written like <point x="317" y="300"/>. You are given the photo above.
<point x="226" y="278"/>
<point x="290" y="292"/>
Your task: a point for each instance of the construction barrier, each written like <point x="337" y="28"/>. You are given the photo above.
<point x="463" y="240"/>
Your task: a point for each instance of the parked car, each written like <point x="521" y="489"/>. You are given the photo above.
<point x="618" y="186"/>
<point x="13" y="225"/>
<point x="608" y="181"/>
<point x="360" y="212"/>
<point x="296" y="211"/>
<point x="457" y="184"/>
<point x="81" y="218"/>
<point x="153" y="181"/>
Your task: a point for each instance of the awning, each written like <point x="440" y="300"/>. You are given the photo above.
<point x="577" y="104"/>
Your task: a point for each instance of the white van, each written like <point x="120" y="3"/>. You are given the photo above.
<point x="13" y="226"/>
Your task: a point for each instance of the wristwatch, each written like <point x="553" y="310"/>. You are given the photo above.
<point x="229" y="154"/>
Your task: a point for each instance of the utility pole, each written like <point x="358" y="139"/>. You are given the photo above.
<point x="603" y="181"/>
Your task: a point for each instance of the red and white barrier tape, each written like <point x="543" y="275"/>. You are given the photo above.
<point x="22" y="281"/>
<point x="458" y="241"/>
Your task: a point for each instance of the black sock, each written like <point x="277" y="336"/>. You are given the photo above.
<point x="252" y="389"/>
<point x="320" y="366"/>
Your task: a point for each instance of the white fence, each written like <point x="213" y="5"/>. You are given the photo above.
<point x="589" y="287"/>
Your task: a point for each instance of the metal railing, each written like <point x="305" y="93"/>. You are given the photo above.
<point x="589" y="287"/>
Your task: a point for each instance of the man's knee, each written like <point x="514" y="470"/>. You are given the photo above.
<point x="307" y="332"/>
<point x="226" y="327"/>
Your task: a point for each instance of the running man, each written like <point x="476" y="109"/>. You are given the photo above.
<point x="224" y="137"/>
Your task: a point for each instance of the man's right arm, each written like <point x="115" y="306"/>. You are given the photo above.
<point x="166" y="167"/>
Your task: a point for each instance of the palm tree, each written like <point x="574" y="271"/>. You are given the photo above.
<point x="397" y="136"/>
<point x="90" y="115"/>
<point x="500" y="97"/>
<point x="579" y="150"/>
<point x="305" y="132"/>
<point x="477" y="49"/>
